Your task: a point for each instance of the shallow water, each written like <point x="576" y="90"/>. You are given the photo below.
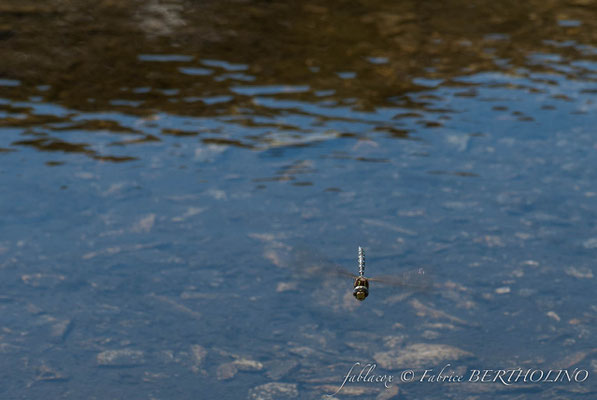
<point x="162" y="162"/>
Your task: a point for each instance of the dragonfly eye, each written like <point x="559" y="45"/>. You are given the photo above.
<point x="360" y="293"/>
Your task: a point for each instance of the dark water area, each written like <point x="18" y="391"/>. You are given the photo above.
<point x="172" y="170"/>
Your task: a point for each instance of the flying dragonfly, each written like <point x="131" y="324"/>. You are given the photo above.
<point x="412" y="279"/>
<point x="415" y="280"/>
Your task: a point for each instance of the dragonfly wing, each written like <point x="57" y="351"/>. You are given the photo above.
<point x="416" y="279"/>
<point x="336" y="270"/>
<point x="312" y="263"/>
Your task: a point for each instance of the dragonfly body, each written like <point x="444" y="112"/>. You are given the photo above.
<point x="361" y="284"/>
<point x="315" y="265"/>
<point x="415" y="280"/>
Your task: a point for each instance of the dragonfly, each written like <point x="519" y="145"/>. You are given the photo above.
<point x="415" y="280"/>
<point x="412" y="279"/>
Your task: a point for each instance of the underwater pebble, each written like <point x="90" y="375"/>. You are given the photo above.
<point x="411" y="213"/>
<point x="527" y="292"/>
<point x="61" y="328"/>
<point x="120" y="358"/>
<point x="279" y="368"/>
<point x="191" y="211"/>
<point x="217" y="194"/>
<point x="580" y="273"/>
<point x="393" y="341"/>
<point x="199" y="353"/>
<point x="530" y="263"/>
<point x="459" y="141"/>
<point x="275" y="257"/>
<point x="522" y="235"/>
<point x="286" y="286"/>
<point x="553" y="315"/>
<point x="573" y="359"/>
<point x="145" y="224"/>
<point x="459" y="205"/>
<point x="175" y="306"/>
<point x="166" y="356"/>
<point x="8" y="348"/>
<point x="302" y="351"/>
<point x="423" y="310"/>
<point x="590" y="243"/>
<point x="347" y="390"/>
<point x="244" y="364"/>
<point x="518" y="273"/>
<point x="46" y="373"/>
<point x="226" y="371"/>
<point x="358" y="345"/>
<point x="430" y="335"/>
<point x="154" y="376"/>
<point x="491" y="241"/>
<point x="230" y="369"/>
<point x="274" y="391"/>
<point x="42" y="280"/>
<point x="419" y="355"/>
<point x="439" y="325"/>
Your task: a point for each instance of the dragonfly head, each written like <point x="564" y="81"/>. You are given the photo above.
<point x="360" y="293"/>
<point x="361" y="288"/>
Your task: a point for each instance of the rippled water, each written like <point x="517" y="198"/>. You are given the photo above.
<point x="162" y="162"/>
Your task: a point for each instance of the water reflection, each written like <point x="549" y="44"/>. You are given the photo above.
<point x="319" y="64"/>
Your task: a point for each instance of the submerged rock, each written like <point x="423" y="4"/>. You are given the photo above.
<point x="590" y="243"/>
<point x="277" y="369"/>
<point x="423" y="310"/>
<point x="244" y="364"/>
<point x="553" y="315"/>
<point x="274" y="391"/>
<point x="229" y="370"/>
<point x="393" y="341"/>
<point x="120" y="358"/>
<point x="580" y="273"/>
<point x="430" y="335"/>
<point x="60" y="329"/>
<point x="419" y="355"/>
<point x="573" y="359"/>
<point x="40" y="280"/>
<point x="226" y="371"/>
<point x="199" y="354"/>
<point x="502" y="290"/>
<point x="47" y="373"/>
<point x="286" y="286"/>
<point x="348" y="390"/>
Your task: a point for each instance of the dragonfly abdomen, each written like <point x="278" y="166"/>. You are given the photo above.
<point x="361" y="261"/>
